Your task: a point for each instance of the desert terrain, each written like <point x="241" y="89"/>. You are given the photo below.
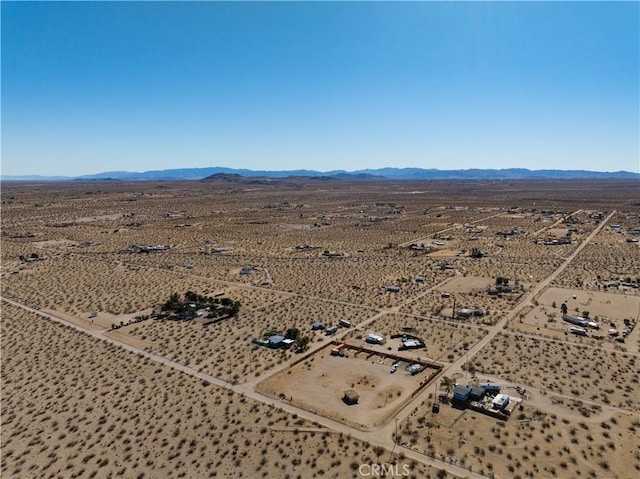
<point x="100" y="378"/>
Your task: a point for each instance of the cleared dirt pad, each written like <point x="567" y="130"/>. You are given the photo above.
<point x="319" y="384"/>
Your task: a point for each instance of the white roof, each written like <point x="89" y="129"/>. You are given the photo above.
<point x="501" y="400"/>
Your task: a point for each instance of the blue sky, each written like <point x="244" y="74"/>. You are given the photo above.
<point x="89" y="87"/>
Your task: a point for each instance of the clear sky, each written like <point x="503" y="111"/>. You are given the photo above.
<point x="89" y="87"/>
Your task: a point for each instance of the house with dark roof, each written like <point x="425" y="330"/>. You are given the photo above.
<point x="466" y="393"/>
<point x="476" y="393"/>
<point x="276" y="341"/>
<point x="461" y="392"/>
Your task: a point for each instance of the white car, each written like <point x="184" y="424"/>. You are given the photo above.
<point x="394" y="368"/>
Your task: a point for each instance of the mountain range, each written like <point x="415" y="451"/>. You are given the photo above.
<point x="366" y="174"/>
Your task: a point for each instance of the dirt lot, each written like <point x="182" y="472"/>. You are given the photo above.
<point x="606" y="306"/>
<point x="608" y="310"/>
<point x="444" y="341"/>
<point x="319" y="384"/>
<point x="536" y="442"/>
<point x="575" y="370"/>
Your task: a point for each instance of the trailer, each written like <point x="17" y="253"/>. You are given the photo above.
<point x="490" y="387"/>
<point x="374" y="339"/>
<point x="575" y="320"/>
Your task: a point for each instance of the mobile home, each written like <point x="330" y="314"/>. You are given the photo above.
<point x="490" y="387"/>
<point x="331" y="330"/>
<point x="374" y="339"/>
<point x="578" y="331"/>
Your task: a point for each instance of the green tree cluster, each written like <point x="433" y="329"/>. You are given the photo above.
<point x="193" y="301"/>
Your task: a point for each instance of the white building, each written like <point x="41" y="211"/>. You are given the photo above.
<point x="500" y="401"/>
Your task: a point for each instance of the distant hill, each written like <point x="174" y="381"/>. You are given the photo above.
<point x="492" y="174"/>
<point x="234" y="174"/>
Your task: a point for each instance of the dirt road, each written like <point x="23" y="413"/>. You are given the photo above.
<point x="247" y="390"/>
<point x="494" y="330"/>
<point x="382" y="436"/>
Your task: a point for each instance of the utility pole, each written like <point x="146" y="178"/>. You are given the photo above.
<point x="395" y="440"/>
<point x="396" y="436"/>
<point x="467" y="366"/>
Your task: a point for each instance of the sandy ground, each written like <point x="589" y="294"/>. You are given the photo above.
<point x="319" y="384"/>
<point x="444" y="341"/>
<point x="536" y="442"/>
<point x="608" y="310"/>
<point x="581" y="371"/>
<point x="74" y="406"/>
<point x="77" y="406"/>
